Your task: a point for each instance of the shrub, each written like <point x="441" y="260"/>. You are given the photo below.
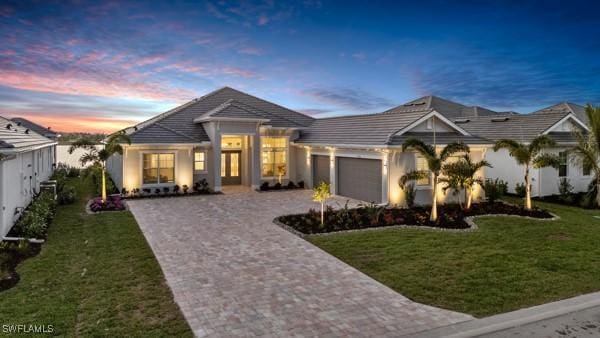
<point x="166" y="190"/>
<point x="95" y="172"/>
<point x="176" y="189"/>
<point x="495" y="189"/>
<point x="565" y="189"/>
<point x="157" y="191"/>
<point x="264" y="186"/>
<point x="201" y="187"/>
<point x="66" y="195"/>
<point x="301" y="184"/>
<point x="277" y="186"/>
<point x="147" y="191"/>
<point x="520" y="189"/>
<point x="410" y="192"/>
<point x="34" y="221"/>
<point x="185" y="188"/>
<point x="291" y="185"/>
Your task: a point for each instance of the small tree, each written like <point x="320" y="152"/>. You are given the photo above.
<point x="587" y="149"/>
<point x="99" y="157"/>
<point x="321" y="194"/>
<point x="530" y="155"/>
<point x="406" y="183"/>
<point x="434" y="163"/>
<point x="460" y="175"/>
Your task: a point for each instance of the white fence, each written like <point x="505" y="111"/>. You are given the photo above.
<point x="63" y="156"/>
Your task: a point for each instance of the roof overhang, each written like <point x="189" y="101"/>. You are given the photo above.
<point x="146" y="145"/>
<point x="370" y="146"/>
<point x="26" y="149"/>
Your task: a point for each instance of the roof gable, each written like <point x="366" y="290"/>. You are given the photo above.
<point x="565" y="107"/>
<point x="445" y="107"/>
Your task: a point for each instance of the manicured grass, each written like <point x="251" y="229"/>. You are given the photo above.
<point x="95" y="276"/>
<point x="509" y="263"/>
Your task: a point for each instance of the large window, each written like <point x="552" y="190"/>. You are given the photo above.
<point x="158" y="168"/>
<point x="421" y="165"/>
<point x="274" y="156"/>
<point x="200" y="160"/>
<point x="562" y="167"/>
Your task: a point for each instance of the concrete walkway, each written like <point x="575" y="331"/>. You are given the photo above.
<point x="574" y="317"/>
<point x="235" y="273"/>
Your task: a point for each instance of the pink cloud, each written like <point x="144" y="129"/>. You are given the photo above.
<point x="107" y="85"/>
<point x="82" y="122"/>
<point x="8" y="53"/>
<point x="229" y="70"/>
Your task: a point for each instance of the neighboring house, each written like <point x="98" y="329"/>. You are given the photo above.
<point x="26" y="160"/>
<point x="47" y="132"/>
<point x="231" y="138"/>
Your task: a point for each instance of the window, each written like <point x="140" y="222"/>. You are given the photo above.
<point x="562" y="166"/>
<point x="586" y="171"/>
<point x="274" y="156"/>
<point x="200" y="160"/>
<point x="158" y="168"/>
<point x="421" y="165"/>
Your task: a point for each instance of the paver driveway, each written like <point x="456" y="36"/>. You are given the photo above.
<point x="234" y="272"/>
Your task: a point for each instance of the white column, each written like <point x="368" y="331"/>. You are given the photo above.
<point x="332" y="172"/>
<point x="217" y="160"/>
<point x="385" y="176"/>
<point x="255" y="167"/>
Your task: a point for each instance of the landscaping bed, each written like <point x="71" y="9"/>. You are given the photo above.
<point x="266" y="186"/>
<point x="371" y="216"/>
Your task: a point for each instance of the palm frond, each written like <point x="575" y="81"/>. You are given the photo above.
<point x="82" y="143"/>
<point x="540" y="142"/>
<point x="453" y="148"/>
<point x="90" y="156"/>
<point x="412" y="176"/>
<point x="546" y="160"/>
<point x="421" y="147"/>
<point x="510" y="145"/>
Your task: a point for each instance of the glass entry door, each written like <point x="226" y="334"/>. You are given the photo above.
<point x="231" y="167"/>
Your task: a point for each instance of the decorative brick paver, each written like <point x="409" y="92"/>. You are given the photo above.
<point x="235" y="273"/>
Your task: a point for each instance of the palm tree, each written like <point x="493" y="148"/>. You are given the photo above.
<point x="434" y="163"/>
<point x="587" y="150"/>
<point x="530" y="155"/>
<point x="460" y="175"/>
<point x="99" y="157"/>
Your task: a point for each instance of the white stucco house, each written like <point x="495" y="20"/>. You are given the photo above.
<point x="232" y="138"/>
<point x="26" y="160"/>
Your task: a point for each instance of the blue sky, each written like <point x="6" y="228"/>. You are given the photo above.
<point x="104" y="65"/>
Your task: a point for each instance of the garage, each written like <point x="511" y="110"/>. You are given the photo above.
<point x="359" y="178"/>
<point x="320" y="169"/>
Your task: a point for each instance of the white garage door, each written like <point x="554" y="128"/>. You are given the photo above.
<point x="359" y="178"/>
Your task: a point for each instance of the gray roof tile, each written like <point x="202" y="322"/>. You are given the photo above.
<point x="13" y="136"/>
<point x="440" y="138"/>
<point x="46" y="132"/>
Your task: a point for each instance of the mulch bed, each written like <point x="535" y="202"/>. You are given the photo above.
<point x="449" y="217"/>
<point x="15" y="256"/>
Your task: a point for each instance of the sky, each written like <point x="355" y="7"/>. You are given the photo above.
<point x="101" y="66"/>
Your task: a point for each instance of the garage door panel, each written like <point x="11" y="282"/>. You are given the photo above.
<point x="359" y="178"/>
<point x="321" y="170"/>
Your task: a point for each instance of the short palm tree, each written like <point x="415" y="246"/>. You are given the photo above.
<point x="530" y="156"/>
<point x="434" y="163"/>
<point x="99" y="157"/>
<point x="460" y="175"/>
<point x="587" y="150"/>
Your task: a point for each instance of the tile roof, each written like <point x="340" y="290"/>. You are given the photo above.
<point x="44" y="131"/>
<point x="445" y="107"/>
<point x="565" y="107"/>
<point x="519" y="127"/>
<point x="14" y="137"/>
<point x="370" y="129"/>
<point x="177" y="126"/>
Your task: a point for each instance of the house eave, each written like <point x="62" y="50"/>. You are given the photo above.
<point x="228" y="119"/>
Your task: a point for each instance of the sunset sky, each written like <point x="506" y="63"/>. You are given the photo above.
<point x="79" y="66"/>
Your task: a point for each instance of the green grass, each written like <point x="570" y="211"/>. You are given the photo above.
<point x="509" y="263"/>
<point x="95" y="276"/>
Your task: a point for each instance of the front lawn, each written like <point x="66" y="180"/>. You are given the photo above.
<point x="509" y="263"/>
<point x="95" y="276"/>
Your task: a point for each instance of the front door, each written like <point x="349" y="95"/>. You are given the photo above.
<point x="231" y="166"/>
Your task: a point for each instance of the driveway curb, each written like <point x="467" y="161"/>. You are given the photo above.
<point x="514" y="319"/>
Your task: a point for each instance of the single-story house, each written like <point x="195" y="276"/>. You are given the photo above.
<point x="232" y="138"/>
<point x="26" y="160"/>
